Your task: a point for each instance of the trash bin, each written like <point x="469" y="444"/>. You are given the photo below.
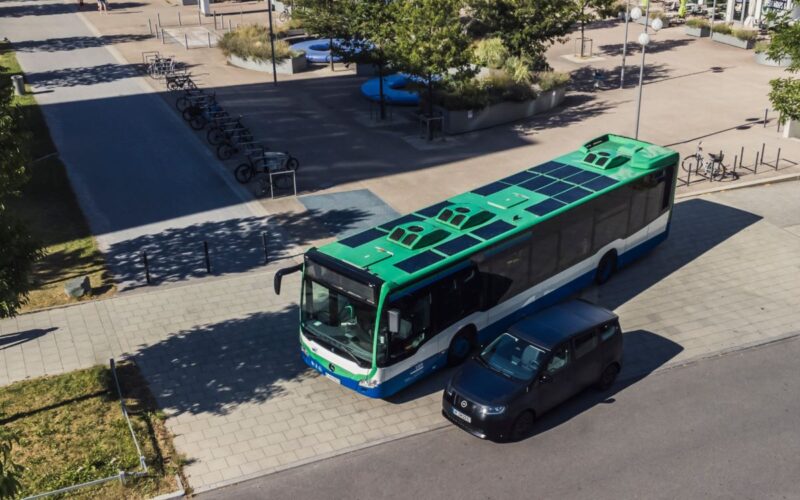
<point x="19" y="84"/>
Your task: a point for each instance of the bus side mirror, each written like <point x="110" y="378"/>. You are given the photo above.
<point x="394" y="321"/>
<point x="281" y="272"/>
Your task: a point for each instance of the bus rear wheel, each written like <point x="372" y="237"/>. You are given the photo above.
<point x="606" y="268"/>
<point x="460" y="347"/>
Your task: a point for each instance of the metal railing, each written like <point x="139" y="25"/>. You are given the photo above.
<point x="122" y="475"/>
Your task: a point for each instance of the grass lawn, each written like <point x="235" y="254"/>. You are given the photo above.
<point x="71" y="430"/>
<point x="52" y="212"/>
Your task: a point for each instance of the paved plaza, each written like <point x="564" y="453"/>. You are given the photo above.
<point x="222" y="357"/>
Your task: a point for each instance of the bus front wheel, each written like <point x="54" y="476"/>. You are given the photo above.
<point x="606" y="268"/>
<point x="460" y="347"/>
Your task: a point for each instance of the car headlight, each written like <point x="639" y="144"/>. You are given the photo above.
<point x="492" y="410"/>
<point x="367" y="383"/>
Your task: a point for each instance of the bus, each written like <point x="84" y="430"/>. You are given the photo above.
<point x="381" y="309"/>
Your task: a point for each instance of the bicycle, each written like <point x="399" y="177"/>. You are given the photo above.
<point x="160" y="66"/>
<point x="180" y="82"/>
<point x="266" y="162"/>
<point x="711" y="168"/>
<point x="241" y="140"/>
<point x="223" y="128"/>
<point x="193" y="97"/>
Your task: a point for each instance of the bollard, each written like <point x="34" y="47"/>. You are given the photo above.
<point x="163" y="40"/>
<point x="186" y="40"/>
<point x="150" y="26"/>
<point x="266" y="252"/>
<point x="19" y="84"/>
<point x="765" y="117"/>
<point x="755" y="166"/>
<point x="734" y="163"/>
<point x="208" y="259"/>
<point x="158" y="17"/>
<point x="241" y="15"/>
<point x="209" y="39"/>
<point x="778" y="159"/>
<point x="230" y="25"/>
<point x="222" y="21"/>
<point x="215" y="20"/>
<point x="689" y="178"/>
<point x="179" y="19"/>
<point x="763" y="145"/>
<point x="199" y="19"/>
<point x="146" y="267"/>
<point x="741" y="156"/>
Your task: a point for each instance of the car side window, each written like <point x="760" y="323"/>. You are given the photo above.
<point x="584" y="344"/>
<point x="559" y="360"/>
<point x="608" y="331"/>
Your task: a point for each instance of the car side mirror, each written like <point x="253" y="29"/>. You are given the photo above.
<point x="394" y="321"/>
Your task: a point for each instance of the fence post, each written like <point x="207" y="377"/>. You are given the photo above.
<point x="778" y="159"/>
<point x="150" y="26"/>
<point x="755" y="166"/>
<point x="734" y="163"/>
<point x="199" y="19"/>
<point x="179" y="19"/>
<point x="186" y="40"/>
<point x="209" y="39"/>
<point x="765" y="117"/>
<point x="163" y="40"/>
<point x="158" y="16"/>
<point x="230" y="25"/>
<point x="146" y="267"/>
<point x="266" y="251"/>
<point x="208" y="258"/>
<point x="215" y="19"/>
<point x="763" y="145"/>
<point x="741" y="156"/>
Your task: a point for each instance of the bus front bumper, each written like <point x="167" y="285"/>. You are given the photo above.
<point x="379" y="391"/>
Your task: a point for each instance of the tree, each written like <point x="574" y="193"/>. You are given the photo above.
<point x="18" y="250"/>
<point x="430" y="42"/>
<point x="785" y="97"/>
<point x="325" y="18"/>
<point x="589" y="10"/>
<point x="527" y="27"/>
<point x="785" y="44"/>
<point x="9" y="471"/>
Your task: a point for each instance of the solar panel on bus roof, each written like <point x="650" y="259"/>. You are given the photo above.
<point x="554" y="188"/>
<point x="434" y="209"/>
<point x="545" y="207"/>
<point x="490" y="188"/>
<point x="536" y="183"/>
<point x="402" y="220"/>
<point x="573" y="195"/>
<point x="547" y="167"/>
<point x="417" y="262"/>
<point x="456" y="245"/>
<point x="564" y="172"/>
<point x="600" y="183"/>
<point x="518" y="177"/>
<point x="363" y="237"/>
<point x="496" y="228"/>
<point x="583" y="176"/>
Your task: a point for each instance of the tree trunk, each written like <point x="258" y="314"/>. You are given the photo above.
<point x="382" y="101"/>
<point x="583" y="24"/>
<point x="430" y="106"/>
<point x="331" y="52"/>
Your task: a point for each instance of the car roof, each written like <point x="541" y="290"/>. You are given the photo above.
<point x="549" y="327"/>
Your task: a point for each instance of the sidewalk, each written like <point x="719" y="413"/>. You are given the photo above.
<point x="221" y="355"/>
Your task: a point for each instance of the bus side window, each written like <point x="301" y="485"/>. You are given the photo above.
<point x="456" y="296"/>
<point x="415" y="323"/>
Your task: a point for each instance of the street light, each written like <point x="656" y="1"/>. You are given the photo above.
<point x="644" y="40"/>
<point x="625" y="44"/>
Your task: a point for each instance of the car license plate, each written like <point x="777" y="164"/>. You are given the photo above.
<point x="462" y="416"/>
<point x="333" y="378"/>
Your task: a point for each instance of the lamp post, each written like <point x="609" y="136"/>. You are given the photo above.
<point x="272" y="43"/>
<point x="625" y="44"/>
<point x="644" y="39"/>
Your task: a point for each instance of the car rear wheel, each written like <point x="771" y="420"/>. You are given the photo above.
<point x="522" y="427"/>
<point x="608" y="377"/>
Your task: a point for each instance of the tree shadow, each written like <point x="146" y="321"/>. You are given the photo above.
<point x="88" y="75"/>
<point x="50" y="9"/>
<point x="697" y="227"/>
<point x="583" y="79"/>
<point x="654" y="47"/>
<point x="76" y="42"/>
<point x="234" y="245"/>
<point x="575" y="108"/>
<point x="217" y="367"/>
<point x="17" y="338"/>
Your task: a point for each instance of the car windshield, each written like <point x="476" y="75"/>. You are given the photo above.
<point x="346" y="323"/>
<point x="513" y="357"/>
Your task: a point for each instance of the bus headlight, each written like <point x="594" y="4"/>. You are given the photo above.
<point x="367" y="384"/>
<point x="303" y="349"/>
<point x="492" y="410"/>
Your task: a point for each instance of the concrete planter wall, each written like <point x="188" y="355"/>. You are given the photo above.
<point x="286" y="67"/>
<point x="461" y="121"/>
<point x="700" y="32"/>
<point x="732" y="40"/>
<point x="761" y="58"/>
<point x="791" y="129"/>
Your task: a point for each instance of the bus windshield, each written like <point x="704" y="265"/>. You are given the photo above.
<point x="338" y="320"/>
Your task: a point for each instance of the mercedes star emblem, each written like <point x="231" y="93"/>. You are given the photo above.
<point x="331" y="367"/>
<point x="463" y="403"/>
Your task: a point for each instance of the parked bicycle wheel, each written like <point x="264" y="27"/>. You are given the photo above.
<point x="198" y="122"/>
<point x="225" y="151"/>
<point x="282" y="181"/>
<point x="690" y="164"/>
<point x="292" y="163"/>
<point x="244" y="173"/>
<point x="190" y="112"/>
<point x="215" y="136"/>
<point x="183" y="103"/>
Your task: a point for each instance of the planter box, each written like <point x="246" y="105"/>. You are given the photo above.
<point x="461" y="121"/>
<point x="285" y="67"/>
<point x="366" y="69"/>
<point x="732" y="40"/>
<point x="761" y="58"/>
<point x="704" y="31"/>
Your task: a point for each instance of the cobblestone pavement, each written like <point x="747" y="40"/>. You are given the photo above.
<point x="221" y="354"/>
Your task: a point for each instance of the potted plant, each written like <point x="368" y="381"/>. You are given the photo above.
<point x="742" y="38"/>
<point x="249" y="47"/>
<point x="698" y="26"/>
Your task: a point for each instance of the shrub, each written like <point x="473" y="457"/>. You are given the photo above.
<point x="660" y="15"/>
<point x="745" y="35"/>
<point x="464" y="95"/>
<point x="519" y="69"/>
<point x="502" y="86"/>
<point x="761" y="46"/>
<point x="697" y="22"/>
<point x="490" y="52"/>
<point x="722" y="28"/>
<point x="252" y="42"/>
<point x="549" y="80"/>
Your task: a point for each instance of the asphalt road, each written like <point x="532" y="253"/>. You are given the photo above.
<point x="725" y="427"/>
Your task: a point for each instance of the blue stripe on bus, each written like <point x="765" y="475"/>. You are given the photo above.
<point x="488" y="333"/>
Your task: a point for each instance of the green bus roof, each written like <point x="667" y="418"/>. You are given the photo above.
<point x="412" y="246"/>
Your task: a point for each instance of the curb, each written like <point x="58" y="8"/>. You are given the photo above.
<point x="180" y="493"/>
<point x="753" y="183"/>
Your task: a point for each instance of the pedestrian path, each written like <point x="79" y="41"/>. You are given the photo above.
<point x="142" y="178"/>
<point x="221" y="355"/>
